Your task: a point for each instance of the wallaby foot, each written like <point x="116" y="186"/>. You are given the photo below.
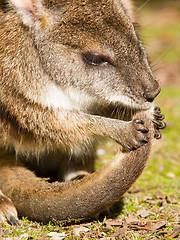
<point x="75" y="175"/>
<point x="8" y="211"/>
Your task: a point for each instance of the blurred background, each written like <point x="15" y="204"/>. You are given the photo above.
<point x="160" y="21"/>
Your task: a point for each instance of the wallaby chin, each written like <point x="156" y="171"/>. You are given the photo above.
<point x="71" y="72"/>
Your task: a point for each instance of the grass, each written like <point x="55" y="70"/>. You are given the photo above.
<point x="162" y="173"/>
<point x="166" y="154"/>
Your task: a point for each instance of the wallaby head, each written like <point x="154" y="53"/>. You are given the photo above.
<point x="90" y="52"/>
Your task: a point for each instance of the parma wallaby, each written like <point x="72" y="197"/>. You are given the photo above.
<point x="70" y="72"/>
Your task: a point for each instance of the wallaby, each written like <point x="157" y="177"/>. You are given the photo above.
<point x="71" y="72"/>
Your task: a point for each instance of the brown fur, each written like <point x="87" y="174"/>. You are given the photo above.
<point x="43" y="201"/>
<point x="54" y="103"/>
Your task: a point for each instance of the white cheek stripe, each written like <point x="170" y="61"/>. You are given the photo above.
<point x="67" y="99"/>
<point x="125" y="100"/>
<point x="122" y="99"/>
<point x="72" y="99"/>
<point x="56" y="98"/>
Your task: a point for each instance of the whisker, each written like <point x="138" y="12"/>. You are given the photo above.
<point x="143" y="5"/>
<point x="119" y="109"/>
<point x="161" y="56"/>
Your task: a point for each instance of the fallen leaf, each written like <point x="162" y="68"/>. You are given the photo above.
<point x="57" y="236"/>
<point x="119" y="234"/>
<point x="113" y="223"/>
<point x="131" y="219"/>
<point x="148" y="225"/>
<point x="25" y="236"/>
<point x="108" y="238"/>
<point x="175" y="232"/>
<point x="158" y="225"/>
<point x="144" y="213"/>
<point x="81" y="229"/>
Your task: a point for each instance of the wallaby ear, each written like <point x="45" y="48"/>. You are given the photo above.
<point x="28" y="9"/>
<point x="27" y="5"/>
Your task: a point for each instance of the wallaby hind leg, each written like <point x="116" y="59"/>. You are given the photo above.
<point x="63" y="166"/>
<point x="79" y="164"/>
<point x="71" y="168"/>
<point x="8" y="212"/>
<point x="14" y="178"/>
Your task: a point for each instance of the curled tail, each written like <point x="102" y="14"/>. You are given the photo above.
<point x="43" y="201"/>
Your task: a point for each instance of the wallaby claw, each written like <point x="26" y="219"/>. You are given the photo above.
<point x="157" y="109"/>
<point x="8" y="212"/>
<point x="14" y="221"/>
<point x="158" y="122"/>
<point x="159" y="116"/>
<point x="157" y="134"/>
<point x="146" y="139"/>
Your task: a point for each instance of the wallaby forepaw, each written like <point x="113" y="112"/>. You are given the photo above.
<point x="136" y="136"/>
<point x="158" y="122"/>
<point x="8" y="212"/>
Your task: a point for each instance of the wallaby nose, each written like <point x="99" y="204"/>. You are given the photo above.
<point x="151" y="93"/>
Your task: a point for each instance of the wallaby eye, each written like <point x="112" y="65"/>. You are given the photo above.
<point x="95" y="58"/>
